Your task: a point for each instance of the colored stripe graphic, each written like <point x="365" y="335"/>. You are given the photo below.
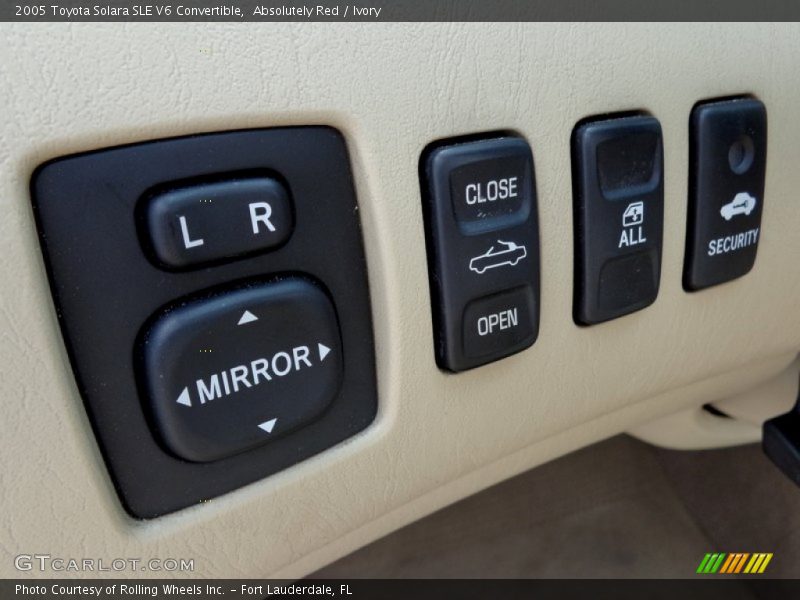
<point x="711" y="562"/>
<point x="703" y="563"/>
<point x="715" y="567"/>
<point x="740" y="564"/>
<point x="764" y="564"/>
<point x="708" y="563"/>
<point x="727" y="564"/>
<point x="735" y="556"/>
<point x="755" y="560"/>
<point x="734" y="563"/>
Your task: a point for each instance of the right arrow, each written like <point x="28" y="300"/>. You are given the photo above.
<point x="323" y="351"/>
<point x="184" y="398"/>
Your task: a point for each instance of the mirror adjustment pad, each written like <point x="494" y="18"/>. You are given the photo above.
<point x="483" y="249"/>
<point x="231" y="372"/>
<point x="727" y="157"/>
<point x="618" y="188"/>
<point x="205" y="367"/>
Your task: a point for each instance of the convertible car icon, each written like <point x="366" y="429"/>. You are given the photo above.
<point x="509" y="254"/>
<point x="742" y="204"/>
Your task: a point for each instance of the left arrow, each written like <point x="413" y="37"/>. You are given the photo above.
<point x="184" y="398"/>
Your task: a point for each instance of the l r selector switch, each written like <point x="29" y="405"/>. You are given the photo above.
<point x="192" y="225"/>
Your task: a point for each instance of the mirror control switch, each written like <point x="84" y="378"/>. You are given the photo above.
<point x="234" y="371"/>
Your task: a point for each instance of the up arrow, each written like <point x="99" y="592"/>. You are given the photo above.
<point x="184" y="398"/>
<point x="268" y="426"/>
<point x="247" y="317"/>
<point x="323" y="351"/>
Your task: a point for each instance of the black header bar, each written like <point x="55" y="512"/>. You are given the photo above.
<point x="398" y="10"/>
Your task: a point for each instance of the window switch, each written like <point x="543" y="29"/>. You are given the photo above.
<point x="619" y="212"/>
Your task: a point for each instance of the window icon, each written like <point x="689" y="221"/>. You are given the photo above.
<point x="633" y="215"/>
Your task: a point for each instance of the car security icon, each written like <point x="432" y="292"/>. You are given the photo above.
<point x="742" y="204"/>
<point x="509" y="254"/>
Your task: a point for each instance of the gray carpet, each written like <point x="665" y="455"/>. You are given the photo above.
<point x="620" y="508"/>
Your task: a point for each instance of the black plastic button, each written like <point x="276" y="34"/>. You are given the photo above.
<point x="234" y="371"/>
<point x="619" y="208"/>
<point x="204" y="223"/>
<point x="728" y="153"/>
<point x="489" y="192"/>
<point x="499" y="322"/>
<point x="480" y="205"/>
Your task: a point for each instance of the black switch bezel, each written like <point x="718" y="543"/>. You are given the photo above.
<point x="597" y="215"/>
<point x="714" y="126"/>
<point x="451" y="243"/>
<point x="106" y="288"/>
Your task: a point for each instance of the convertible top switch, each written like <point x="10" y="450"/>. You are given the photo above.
<point x="483" y="249"/>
